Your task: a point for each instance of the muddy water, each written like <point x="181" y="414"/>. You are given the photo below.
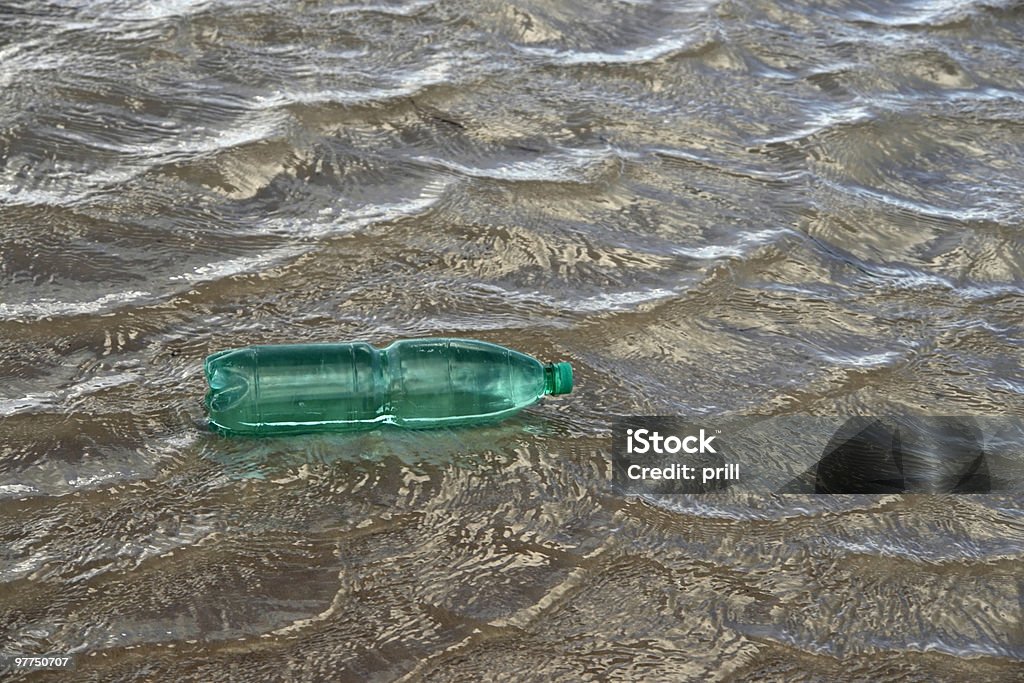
<point x="709" y="208"/>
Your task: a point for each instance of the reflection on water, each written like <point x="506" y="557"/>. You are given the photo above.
<point x="709" y="208"/>
<point x="472" y="447"/>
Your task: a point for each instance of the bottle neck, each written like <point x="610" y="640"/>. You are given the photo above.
<point x="557" y="378"/>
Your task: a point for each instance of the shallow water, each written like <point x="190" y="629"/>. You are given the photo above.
<point x="709" y="208"/>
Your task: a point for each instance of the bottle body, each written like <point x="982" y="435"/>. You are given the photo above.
<point x="296" y="388"/>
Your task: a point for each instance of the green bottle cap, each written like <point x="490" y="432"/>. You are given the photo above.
<point x="557" y="378"/>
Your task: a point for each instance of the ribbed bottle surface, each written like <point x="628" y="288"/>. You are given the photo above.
<point x="419" y="383"/>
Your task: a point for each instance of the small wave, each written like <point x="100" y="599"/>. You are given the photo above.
<point x="342" y="220"/>
<point x="16" y="490"/>
<point x="864" y="360"/>
<point x="298" y="232"/>
<point x="921" y="208"/>
<point x="238" y="266"/>
<point x="404" y="84"/>
<point x="63" y="183"/>
<point x="564" y="165"/>
<point x="25" y="60"/>
<point x="606" y="302"/>
<point x="147" y="10"/>
<point x="407" y="9"/>
<point x="103" y="16"/>
<point x="741" y="249"/>
<point x="763" y="508"/>
<point x="105" y="558"/>
<point x="666" y="46"/>
<point x="905" y="548"/>
<point x="49" y="479"/>
<point x="908" y="277"/>
<point x="48" y="308"/>
<point x="619" y="301"/>
<point x="202" y="140"/>
<point x="919" y="13"/>
<point x="51" y="399"/>
<point x="821" y="122"/>
<point x="724" y="165"/>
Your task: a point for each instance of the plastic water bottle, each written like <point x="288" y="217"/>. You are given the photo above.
<point x="418" y="383"/>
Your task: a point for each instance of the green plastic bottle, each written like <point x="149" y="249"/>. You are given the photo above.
<point x="418" y="383"/>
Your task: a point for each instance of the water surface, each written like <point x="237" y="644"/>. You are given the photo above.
<point x="709" y="208"/>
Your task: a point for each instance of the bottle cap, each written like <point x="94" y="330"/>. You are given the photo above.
<point x="557" y="378"/>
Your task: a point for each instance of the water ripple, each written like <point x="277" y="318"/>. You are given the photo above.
<point x="709" y="208"/>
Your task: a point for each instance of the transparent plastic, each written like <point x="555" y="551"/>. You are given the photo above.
<point x="419" y="383"/>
